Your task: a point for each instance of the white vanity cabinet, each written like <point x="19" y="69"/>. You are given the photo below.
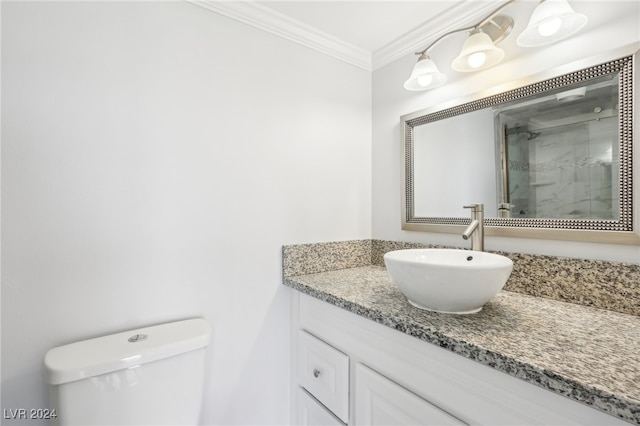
<point x="310" y="412"/>
<point x="323" y="371"/>
<point x="379" y="401"/>
<point x="369" y="374"/>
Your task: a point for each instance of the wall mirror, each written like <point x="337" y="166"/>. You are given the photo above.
<point x="549" y="157"/>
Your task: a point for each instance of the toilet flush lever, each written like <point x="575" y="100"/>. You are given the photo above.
<point x="138" y="338"/>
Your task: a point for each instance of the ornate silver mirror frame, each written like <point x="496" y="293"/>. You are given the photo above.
<point x="623" y="230"/>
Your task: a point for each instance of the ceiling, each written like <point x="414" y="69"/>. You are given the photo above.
<point x="373" y="33"/>
<point x="365" y="33"/>
<point x="369" y="25"/>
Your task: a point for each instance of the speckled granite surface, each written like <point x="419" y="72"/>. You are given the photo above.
<point x="310" y="258"/>
<point x="607" y="285"/>
<point x="587" y="354"/>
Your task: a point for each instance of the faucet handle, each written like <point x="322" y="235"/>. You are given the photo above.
<point x="475" y="207"/>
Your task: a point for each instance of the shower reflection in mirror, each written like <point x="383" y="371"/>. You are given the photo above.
<point x="559" y="153"/>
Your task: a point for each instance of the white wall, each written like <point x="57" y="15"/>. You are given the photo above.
<point x="433" y="178"/>
<point x="611" y="25"/>
<point x="155" y="158"/>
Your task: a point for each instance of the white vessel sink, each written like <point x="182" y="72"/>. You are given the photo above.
<point x="448" y="280"/>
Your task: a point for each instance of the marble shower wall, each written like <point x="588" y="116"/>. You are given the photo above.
<point x="565" y="172"/>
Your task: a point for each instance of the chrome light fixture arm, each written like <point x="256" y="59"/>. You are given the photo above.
<point x="442" y="37"/>
<point x="477" y="26"/>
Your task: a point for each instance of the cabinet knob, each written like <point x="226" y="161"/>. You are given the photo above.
<point x="316" y="372"/>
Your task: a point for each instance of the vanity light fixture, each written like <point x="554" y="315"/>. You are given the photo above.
<point x="425" y="75"/>
<point x="551" y="21"/>
<point x="478" y="53"/>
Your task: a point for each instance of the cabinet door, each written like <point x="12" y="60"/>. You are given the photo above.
<point x="379" y="401"/>
<point x="312" y="413"/>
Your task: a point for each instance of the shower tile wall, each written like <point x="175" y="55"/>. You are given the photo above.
<point x="565" y="172"/>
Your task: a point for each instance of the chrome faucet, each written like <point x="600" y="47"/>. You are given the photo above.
<point x="475" y="230"/>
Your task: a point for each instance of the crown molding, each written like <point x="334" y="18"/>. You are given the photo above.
<point x="264" y="18"/>
<point x="269" y="20"/>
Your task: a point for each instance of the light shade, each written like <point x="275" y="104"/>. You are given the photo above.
<point x="425" y="75"/>
<point x="551" y="21"/>
<point x="478" y="53"/>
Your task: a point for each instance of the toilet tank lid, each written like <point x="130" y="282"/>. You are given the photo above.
<point x="101" y="355"/>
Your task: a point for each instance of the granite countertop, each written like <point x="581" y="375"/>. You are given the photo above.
<point x="587" y="354"/>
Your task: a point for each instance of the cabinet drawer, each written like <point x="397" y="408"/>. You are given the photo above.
<point x="312" y="413"/>
<point x="379" y="401"/>
<point x="324" y="372"/>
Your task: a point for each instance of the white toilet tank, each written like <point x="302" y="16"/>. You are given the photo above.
<point x="148" y="376"/>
